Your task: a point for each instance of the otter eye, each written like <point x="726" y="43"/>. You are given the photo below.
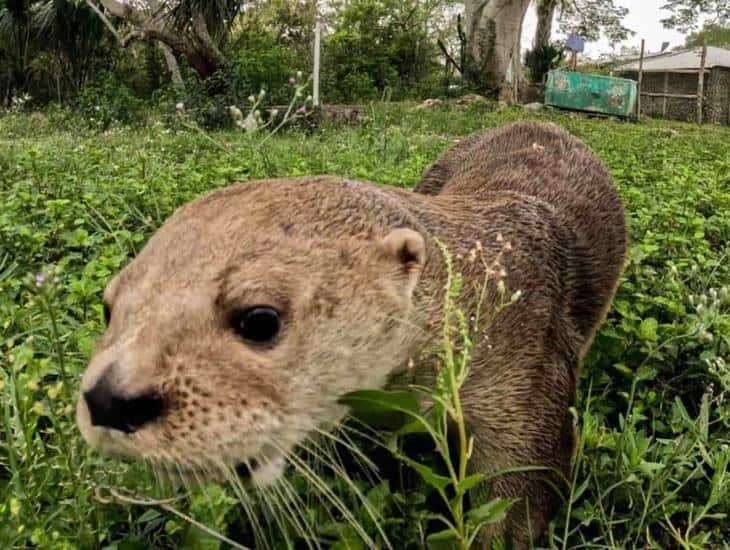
<point x="258" y="324"/>
<point x="107" y="313"/>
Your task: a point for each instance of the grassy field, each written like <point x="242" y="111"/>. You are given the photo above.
<point x="654" y="405"/>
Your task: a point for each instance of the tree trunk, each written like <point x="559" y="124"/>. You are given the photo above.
<point x="172" y="66"/>
<point x="545" y="14"/>
<point x="195" y="44"/>
<point x="516" y="69"/>
<point x="493" y="30"/>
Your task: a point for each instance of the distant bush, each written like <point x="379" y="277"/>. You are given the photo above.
<point x="107" y="101"/>
<point x="263" y="64"/>
<point x="377" y="45"/>
<point x="257" y="62"/>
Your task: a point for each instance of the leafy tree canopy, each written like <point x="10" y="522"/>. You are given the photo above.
<point x="710" y="34"/>
<point x="687" y="15"/>
<point x="592" y="19"/>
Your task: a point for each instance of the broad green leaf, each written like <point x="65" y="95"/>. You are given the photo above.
<point x="435" y="480"/>
<point x="581" y="489"/>
<point x="470" y="482"/>
<point x="414" y="427"/>
<point x="623" y="369"/>
<point x="648" y="330"/>
<point x="149" y="515"/>
<point x="493" y="511"/>
<point x="445" y="539"/>
<point x="381" y="401"/>
<point x="387" y="409"/>
<point x="650" y="467"/>
<point x="646" y="373"/>
<point x="349" y="541"/>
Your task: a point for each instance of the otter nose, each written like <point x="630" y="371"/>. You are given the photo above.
<point x="111" y="409"/>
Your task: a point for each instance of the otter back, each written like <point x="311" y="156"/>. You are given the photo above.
<point x="545" y="162"/>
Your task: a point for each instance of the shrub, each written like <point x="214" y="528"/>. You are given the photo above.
<point x="539" y="61"/>
<point x="259" y="63"/>
<point x="107" y="102"/>
<point x="377" y="44"/>
<point x="264" y="64"/>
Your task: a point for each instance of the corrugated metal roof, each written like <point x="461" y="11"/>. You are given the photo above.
<point x="689" y="59"/>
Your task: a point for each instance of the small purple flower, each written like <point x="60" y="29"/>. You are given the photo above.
<point x="292" y="80"/>
<point x="179" y="106"/>
<point x="40" y="279"/>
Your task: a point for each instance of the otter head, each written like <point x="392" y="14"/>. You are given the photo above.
<point x="241" y="323"/>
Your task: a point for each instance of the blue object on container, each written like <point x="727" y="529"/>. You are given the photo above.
<point x="575" y="43"/>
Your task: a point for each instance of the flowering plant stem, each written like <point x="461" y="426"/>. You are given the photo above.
<point x="446" y="416"/>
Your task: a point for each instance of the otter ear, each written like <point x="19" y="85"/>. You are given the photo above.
<point x="408" y="248"/>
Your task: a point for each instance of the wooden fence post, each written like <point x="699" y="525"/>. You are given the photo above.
<point x="701" y="84"/>
<point x="641" y="78"/>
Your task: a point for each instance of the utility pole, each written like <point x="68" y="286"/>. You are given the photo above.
<point x="701" y="83"/>
<point x="315" y="76"/>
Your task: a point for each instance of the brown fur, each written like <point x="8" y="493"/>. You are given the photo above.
<point x="360" y="298"/>
<point x="573" y="273"/>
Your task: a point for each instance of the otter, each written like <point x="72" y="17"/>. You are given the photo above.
<point x="234" y="333"/>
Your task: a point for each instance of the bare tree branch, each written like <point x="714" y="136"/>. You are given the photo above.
<point x="104" y="19"/>
<point x="195" y="43"/>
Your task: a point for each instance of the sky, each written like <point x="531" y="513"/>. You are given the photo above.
<point x="643" y="18"/>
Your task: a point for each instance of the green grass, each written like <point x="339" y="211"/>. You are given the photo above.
<point x="653" y="406"/>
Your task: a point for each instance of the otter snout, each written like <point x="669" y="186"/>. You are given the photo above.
<point x="109" y="407"/>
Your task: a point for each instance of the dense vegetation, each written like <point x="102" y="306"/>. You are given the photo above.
<point x="653" y="408"/>
<point x="60" y="51"/>
<point x="90" y="56"/>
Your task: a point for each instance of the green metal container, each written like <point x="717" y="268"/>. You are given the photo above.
<point x="594" y="93"/>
